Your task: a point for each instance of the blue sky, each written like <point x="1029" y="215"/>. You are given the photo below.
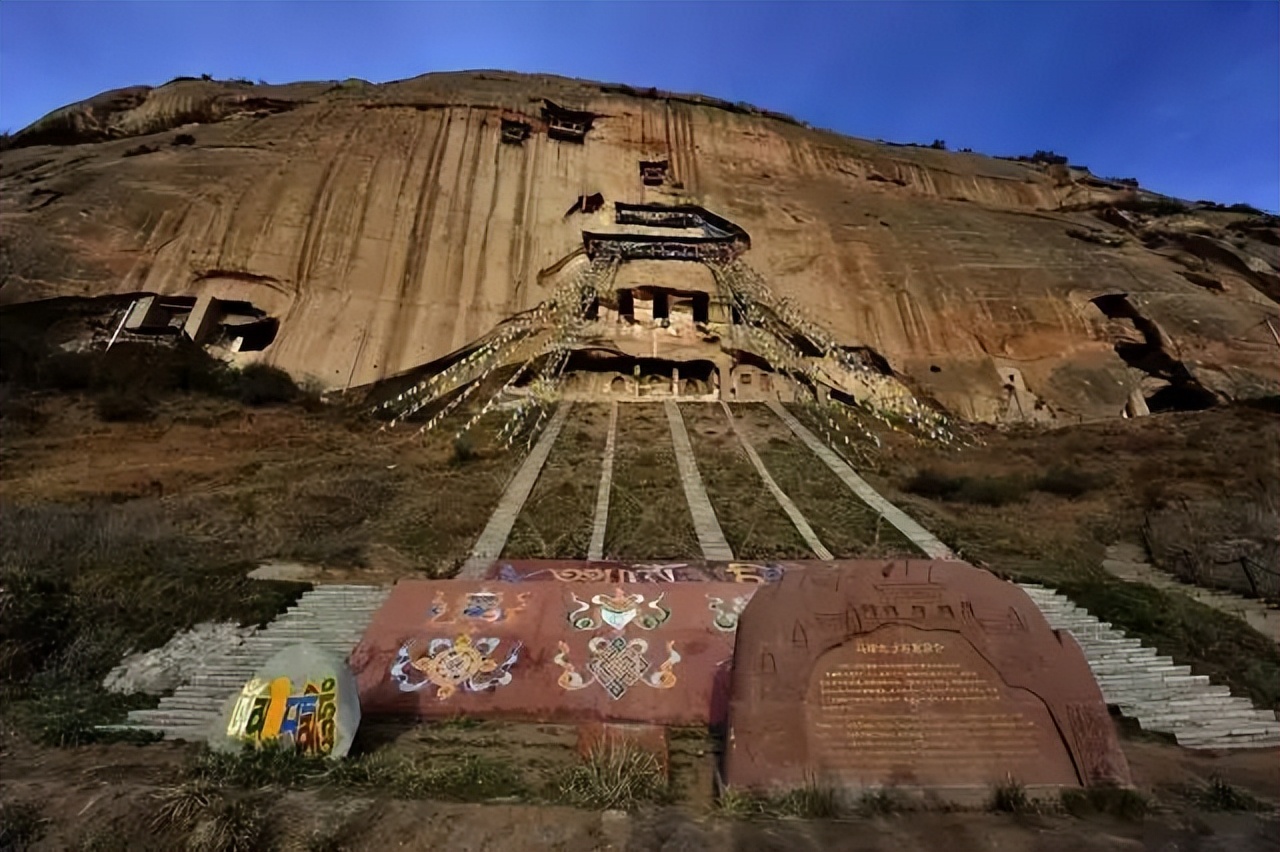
<point x="1184" y="96"/>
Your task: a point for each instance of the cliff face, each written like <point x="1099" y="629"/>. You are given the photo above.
<point x="386" y="226"/>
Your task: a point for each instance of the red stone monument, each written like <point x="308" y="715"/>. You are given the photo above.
<point x="917" y="674"/>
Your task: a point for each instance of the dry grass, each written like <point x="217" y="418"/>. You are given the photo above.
<point x="614" y="775"/>
<point x="648" y="515"/>
<point x="555" y="522"/>
<point x="1208" y="459"/>
<point x="847" y="526"/>
<point x="753" y="522"/>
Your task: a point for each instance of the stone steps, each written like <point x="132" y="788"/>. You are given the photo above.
<point x="1151" y="688"/>
<point x="331" y="617"/>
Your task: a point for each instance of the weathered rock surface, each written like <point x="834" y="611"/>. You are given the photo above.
<point x="921" y="674"/>
<point x="164" y="669"/>
<point x="387" y="226"/>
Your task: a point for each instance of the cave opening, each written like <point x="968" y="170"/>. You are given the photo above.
<point x="1183" y="396"/>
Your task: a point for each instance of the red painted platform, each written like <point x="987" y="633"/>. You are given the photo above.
<point x="566" y="651"/>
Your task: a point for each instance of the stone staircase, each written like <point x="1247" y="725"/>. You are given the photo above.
<point x="1162" y="696"/>
<point x="332" y="617"/>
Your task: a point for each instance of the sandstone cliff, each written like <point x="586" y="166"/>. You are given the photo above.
<point x="387" y="225"/>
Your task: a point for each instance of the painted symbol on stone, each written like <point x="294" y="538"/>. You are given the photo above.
<point x="267" y="710"/>
<point x="483" y="605"/>
<point x="726" y="615"/>
<point x="453" y="664"/>
<point x="618" y="610"/>
<point x="617" y="664"/>
<point x="743" y="572"/>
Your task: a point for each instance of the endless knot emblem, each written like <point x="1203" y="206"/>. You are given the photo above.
<point x="617" y="664"/>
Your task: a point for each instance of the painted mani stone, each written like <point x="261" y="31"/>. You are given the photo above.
<point x="303" y="698"/>
<point x="269" y="710"/>
<point x="452" y="664"/>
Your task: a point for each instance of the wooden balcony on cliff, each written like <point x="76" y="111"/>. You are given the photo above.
<point x="567" y="125"/>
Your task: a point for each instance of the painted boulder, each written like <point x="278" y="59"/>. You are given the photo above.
<point x="303" y="698"/>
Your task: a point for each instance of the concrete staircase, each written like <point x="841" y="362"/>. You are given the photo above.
<point x="1160" y="695"/>
<point x="332" y="617"/>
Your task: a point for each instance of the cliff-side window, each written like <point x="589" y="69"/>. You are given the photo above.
<point x="653" y="172"/>
<point x="514" y="132"/>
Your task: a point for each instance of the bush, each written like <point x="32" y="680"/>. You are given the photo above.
<point x="1010" y="797"/>
<point x="809" y="802"/>
<point x="259" y="384"/>
<point x="883" y="802"/>
<point x="66" y="715"/>
<point x="1069" y="482"/>
<point x="21" y="824"/>
<point x="464" y="450"/>
<point x="1001" y="490"/>
<point x="268" y="765"/>
<point x="238" y="826"/>
<point x="66" y="371"/>
<point x="735" y="802"/>
<point x="180" y="806"/>
<point x="1218" y="795"/>
<point x="124" y="407"/>
<point x="985" y="491"/>
<point x="1119" y="802"/>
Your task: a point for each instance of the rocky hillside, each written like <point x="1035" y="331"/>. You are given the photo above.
<point x="388" y="225"/>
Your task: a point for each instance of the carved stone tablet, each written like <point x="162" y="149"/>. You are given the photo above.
<point x="918" y="674"/>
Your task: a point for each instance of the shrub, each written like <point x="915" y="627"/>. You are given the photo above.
<point x="124" y="407"/>
<point x="66" y="371"/>
<point x="615" y="775"/>
<point x="882" y="802"/>
<point x="809" y="802"/>
<point x="1001" y="490"/>
<point x="179" y="807"/>
<point x="464" y="450"/>
<point x="933" y="485"/>
<point x="985" y="491"/>
<point x="1009" y="797"/>
<point x="1068" y="482"/>
<point x="233" y="827"/>
<point x="1218" y="795"/>
<point x="21" y="824"/>
<point x="268" y="765"/>
<point x="735" y="802"/>
<point x="66" y="715"/>
<point x="1119" y="802"/>
<point x="260" y="384"/>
